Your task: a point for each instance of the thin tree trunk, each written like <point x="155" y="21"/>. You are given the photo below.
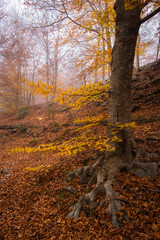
<point x="56" y="64"/>
<point x="47" y="62"/>
<point x="137" y="54"/>
<point x="108" y="39"/>
<point x="158" y="46"/>
<point x="103" y="58"/>
<point x="95" y="76"/>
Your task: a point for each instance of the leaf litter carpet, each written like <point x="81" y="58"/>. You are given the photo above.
<point x="34" y="204"/>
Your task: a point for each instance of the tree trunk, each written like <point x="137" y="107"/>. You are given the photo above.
<point x="158" y="46"/>
<point x="103" y="56"/>
<point x="127" y="27"/>
<point x="137" y="54"/>
<point x="108" y="39"/>
<point x="47" y="63"/>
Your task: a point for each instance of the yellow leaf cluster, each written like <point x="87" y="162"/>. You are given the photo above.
<point x="41" y="88"/>
<point x="35" y="169"/>
<point x="39" y="168"/>
<point x="76" y="98"/>
<point x="86" y="140"/>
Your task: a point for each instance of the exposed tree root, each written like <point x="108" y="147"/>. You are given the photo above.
<point x="103" y="172"/>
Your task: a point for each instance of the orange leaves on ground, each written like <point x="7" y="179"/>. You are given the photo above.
<point x="33" y="204"/>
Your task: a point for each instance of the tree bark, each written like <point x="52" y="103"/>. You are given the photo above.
<point x="127" y="27"/>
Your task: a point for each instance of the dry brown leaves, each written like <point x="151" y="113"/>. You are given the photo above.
<point x="33" y="204"/>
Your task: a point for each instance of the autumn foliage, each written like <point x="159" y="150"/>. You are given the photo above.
<point x="72" y="136"/>
<point x="34" y="199"/>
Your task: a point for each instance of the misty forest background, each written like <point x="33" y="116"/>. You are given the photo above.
<point x="38" y="44"/>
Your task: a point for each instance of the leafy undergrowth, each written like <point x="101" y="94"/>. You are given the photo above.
<point x="33" y="199"/>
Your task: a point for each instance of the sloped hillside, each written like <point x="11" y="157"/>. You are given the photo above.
<point x="146" y="84"/>
<point x="34" y="197"/>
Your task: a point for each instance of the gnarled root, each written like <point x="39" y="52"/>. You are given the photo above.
<point x="106" y="170"/>
<point x="102" y="172"/>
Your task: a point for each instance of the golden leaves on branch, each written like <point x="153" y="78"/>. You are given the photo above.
<point x="78" y="97"/>
<point x="85" y="136"/>
<point x="41" y="88"/>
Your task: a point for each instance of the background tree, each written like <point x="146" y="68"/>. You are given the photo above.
<point x="95" y="47"/>
<point x="88" y="37"/>
<point x="3" y="15"/>
<point x="90" y="19"/>
<point x="15" y="56"/>
<point x="158" y="45"/>
<point x="146" y="42"/>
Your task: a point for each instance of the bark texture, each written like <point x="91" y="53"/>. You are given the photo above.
<point x="127" y="27"/>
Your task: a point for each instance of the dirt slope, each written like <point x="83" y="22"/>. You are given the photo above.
<point x="34" y="204"/>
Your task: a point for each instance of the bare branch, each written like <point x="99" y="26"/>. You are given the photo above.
<point x="47" y="25"/>
<point x="91" y="5"/>
<point x="75" y="22"/>
<point x="150" y="15"/>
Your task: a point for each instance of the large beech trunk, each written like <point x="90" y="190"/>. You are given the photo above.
<point x="103" y="169"/>
<point x="127" y="27"/>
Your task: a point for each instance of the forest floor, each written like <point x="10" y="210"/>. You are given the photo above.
<point x="34" y="202"/>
